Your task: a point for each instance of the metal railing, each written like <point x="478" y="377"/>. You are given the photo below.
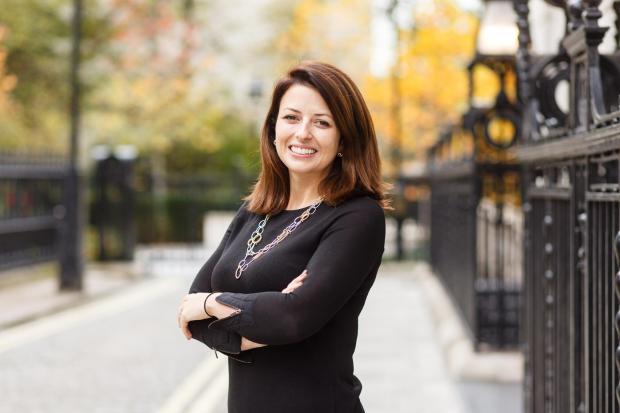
<point x="572" y="219"/>
<point x="452" y="240"/>
<point x="499" y="272"/>
<point x="30" y="209"/>
<point x="476" y="235"/>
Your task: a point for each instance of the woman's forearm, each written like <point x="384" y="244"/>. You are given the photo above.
<point x="218" y="310"/>
<point x="222" y="311"/>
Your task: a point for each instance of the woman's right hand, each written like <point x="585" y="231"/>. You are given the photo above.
<point x="297" y="282"/>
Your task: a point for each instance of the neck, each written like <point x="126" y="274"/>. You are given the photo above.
<point x="303" y="192"/>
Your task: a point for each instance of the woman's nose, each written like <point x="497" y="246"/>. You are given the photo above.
<point x="303" y="130"/>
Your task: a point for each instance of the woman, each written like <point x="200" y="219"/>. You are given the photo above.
<point x="282" y="293"/>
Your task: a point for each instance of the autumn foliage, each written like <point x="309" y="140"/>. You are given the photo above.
<point x="432" y="77"/>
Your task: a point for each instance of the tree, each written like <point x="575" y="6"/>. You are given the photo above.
<point x="332" y="31"/>
<point x="8" y="110"/>
<point x="36" y="44"/>
<point x="153" y="97"/>
<point x="432" y="76"/>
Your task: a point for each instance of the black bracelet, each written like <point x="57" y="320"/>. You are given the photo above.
<point x="204" y="305"/>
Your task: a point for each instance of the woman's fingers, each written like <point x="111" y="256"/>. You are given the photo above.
<point x="183" y="323"/>
<point x="185" y="328"/>
<point x="299" y="278"/>
<point x="296" y="283"/>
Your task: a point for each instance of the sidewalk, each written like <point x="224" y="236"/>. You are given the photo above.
<point x="398" y="358"/>
<point x="32" y="292"/>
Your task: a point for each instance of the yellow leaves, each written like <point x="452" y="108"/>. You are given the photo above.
<point x="7" y="81"/>
<point x="11" y="129"/>
<point x="432" y="77"/>
<point x="207" y="140"/>
<point x="334" y="32"/>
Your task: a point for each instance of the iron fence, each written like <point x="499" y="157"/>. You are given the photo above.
<point x="30" y="209"/>
<point x="572" y="218"/>
<point x="452" y="239"/>
<point x="476" y="236"/>
<point x="476" y="215"/>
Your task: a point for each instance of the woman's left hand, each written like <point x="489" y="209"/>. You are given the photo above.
<point x="191" y="308"/>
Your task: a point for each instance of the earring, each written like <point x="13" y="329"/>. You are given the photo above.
<point x="339" y="154"/>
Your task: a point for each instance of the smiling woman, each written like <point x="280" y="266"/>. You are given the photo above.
<point x="317" y="103"/>
<point x="286" y="315"/>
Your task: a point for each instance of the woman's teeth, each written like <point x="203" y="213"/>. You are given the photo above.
<point x="302" y="151"/>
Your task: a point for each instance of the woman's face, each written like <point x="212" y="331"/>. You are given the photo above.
<point x="307" y="139"/>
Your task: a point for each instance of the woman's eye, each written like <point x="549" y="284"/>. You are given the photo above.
<point x="289" y="117"/>
<point x="323" y="123"/>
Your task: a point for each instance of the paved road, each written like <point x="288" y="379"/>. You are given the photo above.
<point x="124" y="353"/>
<point x="119" y="354"/>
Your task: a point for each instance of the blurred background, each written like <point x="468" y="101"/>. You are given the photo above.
<point x="129" y="133"/>
<point x="180" y="88"/>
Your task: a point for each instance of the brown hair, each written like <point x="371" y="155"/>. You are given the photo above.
<point x="358" y="172"/>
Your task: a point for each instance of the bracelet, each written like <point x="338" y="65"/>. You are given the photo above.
<point x="204" y="305"/>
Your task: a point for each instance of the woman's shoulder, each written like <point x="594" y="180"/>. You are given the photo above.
<point x="242" y="213"/>
<point x="363" y="206"/>
<point x="361" y="217"/>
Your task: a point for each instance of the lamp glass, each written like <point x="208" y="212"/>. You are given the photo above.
<point x="498" y="34"/>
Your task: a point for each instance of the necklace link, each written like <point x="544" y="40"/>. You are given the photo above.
<point x="257" y="235"/>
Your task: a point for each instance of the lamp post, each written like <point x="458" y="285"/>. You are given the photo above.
<point x="396" y="115"/>
<point x="496" y="47"/>
<point x="395" y="109"/>
<point x="71" y="260"/>
<point x="495" y="128"/>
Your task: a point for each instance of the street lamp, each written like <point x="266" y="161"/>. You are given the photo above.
<point x="496" y="46"/>
<point x="498" y="32"/>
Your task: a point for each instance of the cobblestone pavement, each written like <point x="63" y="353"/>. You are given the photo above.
<point x="124" y="353"/>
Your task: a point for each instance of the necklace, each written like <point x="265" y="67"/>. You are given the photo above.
<point x="257" y="235"/>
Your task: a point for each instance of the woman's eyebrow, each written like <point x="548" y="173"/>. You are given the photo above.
<point x="323" y="114"/>
<point x="316" y="114"/>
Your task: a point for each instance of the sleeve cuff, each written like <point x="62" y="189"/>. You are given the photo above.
<point x="242" y="317"/>
<point x="224" y="341"/>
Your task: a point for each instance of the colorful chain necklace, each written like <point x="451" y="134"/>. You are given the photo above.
<point x="257" y="235"/>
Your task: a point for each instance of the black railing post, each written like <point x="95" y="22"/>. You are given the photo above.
<point x="71" y="260"/>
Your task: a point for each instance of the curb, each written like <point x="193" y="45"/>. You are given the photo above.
<point x="462" y="361"/>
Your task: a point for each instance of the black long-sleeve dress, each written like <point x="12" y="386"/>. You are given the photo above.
<point x="311" y="333"/>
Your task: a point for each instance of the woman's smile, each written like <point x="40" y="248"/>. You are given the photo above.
<point x="302" y="151"/>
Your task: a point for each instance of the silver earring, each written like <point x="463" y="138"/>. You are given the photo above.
<point x="339" y="154"/>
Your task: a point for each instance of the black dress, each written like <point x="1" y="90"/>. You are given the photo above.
<point x="311" y="333"/>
